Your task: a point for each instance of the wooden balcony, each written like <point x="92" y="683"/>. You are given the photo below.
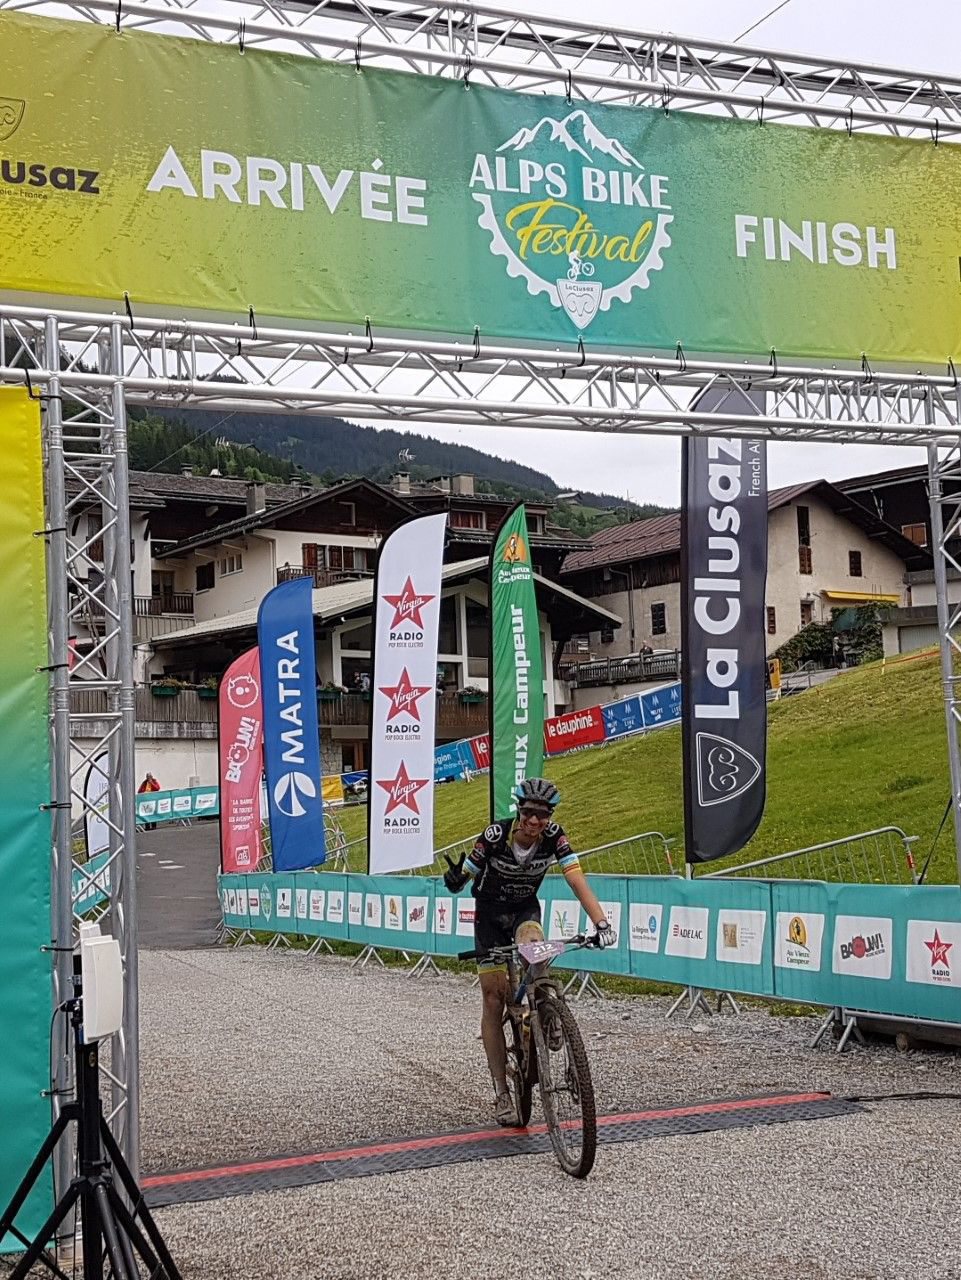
<point x="321" y="577"/>
<point x="180" y="603"/>
<point x="190" y="707"/>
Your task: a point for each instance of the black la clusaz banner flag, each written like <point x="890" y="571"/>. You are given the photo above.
<point x="723" y="576"/>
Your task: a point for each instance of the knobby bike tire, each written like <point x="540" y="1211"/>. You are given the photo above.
<point x="577" y="1165"/>
<point x="519" y="1074"/>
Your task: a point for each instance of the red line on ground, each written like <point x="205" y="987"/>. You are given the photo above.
<point x="462" y="1139"/>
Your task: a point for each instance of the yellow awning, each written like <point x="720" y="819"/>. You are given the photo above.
<point x="861" y="597"/>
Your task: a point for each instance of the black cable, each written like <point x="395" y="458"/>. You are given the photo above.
<point x="927" y="861"/>
<point x="919" y="1095"/>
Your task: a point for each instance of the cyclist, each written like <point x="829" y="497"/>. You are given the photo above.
<point x="507" y="864"/>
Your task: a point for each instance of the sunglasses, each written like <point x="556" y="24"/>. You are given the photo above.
<point x="542" y="815"/>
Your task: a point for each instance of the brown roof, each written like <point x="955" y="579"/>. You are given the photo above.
<point x="661" y="535"/>
<point x="209" y="488"/>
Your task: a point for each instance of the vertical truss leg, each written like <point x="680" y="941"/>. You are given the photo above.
<point x="945" y="533"/>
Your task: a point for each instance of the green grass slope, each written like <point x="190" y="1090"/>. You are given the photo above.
<point x="865" y="750"/>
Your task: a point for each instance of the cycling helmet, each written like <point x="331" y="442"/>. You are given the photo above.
<point x="537" y="791"/>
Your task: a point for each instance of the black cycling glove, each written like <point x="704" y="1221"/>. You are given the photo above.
<point x="456" y="877"/>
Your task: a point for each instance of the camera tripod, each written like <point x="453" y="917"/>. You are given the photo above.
<point x="106" y="1219"/>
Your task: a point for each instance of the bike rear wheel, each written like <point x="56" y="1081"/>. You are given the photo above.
<point x="566" y="1088"/>
<point x="519" y="1074"/>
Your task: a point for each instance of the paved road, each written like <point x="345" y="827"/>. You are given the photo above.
<point x="177" y="886"/>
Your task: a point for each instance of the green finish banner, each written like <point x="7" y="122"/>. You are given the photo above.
<point x="888" y="949"/>
<point x="516" y="666"/>
<point x="194" y="177"/>
<point x="25" y="980"/>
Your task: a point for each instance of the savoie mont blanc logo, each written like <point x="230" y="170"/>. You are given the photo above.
<point x="574" y="214"/>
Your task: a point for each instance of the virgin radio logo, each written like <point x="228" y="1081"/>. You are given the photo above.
<point x="404" y="697"/>
<point x="290" y="791"/>
<point x="402" y="792"/>
<point x="406" y="629"/>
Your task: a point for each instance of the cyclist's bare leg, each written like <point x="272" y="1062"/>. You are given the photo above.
<point x="493" y="984"/>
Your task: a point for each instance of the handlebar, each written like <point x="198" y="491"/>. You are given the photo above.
<point x="504" y="953"/>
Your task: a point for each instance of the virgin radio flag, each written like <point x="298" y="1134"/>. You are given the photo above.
<point x="724" y="572"/>
<point x="288" y="670"/>
<point x="241" y="763"/>
<point x="400" y="804"/>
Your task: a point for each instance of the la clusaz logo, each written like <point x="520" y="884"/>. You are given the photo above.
<point x="574" y="214"/>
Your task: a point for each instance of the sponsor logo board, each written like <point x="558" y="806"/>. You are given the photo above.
<point x="687" y="930"/>
<point x="645" y="926"/>
<point x="862" y="946"/>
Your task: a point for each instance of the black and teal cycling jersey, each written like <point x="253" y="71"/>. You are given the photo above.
<point x="501" y="876"/>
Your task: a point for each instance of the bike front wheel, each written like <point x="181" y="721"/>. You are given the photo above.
<point x="566" y="1088"/>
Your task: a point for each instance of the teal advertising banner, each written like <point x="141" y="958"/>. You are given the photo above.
<point x="178" y="806"/>
<point x="892" y="949"/>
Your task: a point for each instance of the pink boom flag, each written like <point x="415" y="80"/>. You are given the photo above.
<point x="241" y="764"/>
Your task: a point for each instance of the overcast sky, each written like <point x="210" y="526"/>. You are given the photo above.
<point x="924" y="36"/>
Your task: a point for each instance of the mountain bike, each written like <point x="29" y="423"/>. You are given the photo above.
<point x="544" y="1047"/>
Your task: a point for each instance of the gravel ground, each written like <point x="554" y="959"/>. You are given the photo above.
<point x="249" y="1053"/>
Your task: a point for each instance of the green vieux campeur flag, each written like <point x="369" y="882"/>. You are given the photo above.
<point x="517" y="666"/>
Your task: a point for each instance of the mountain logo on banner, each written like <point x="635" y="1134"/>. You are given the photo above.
<point x="404" y="697"/>
<point x="562" y="196"/>
<point x="402" y="791"/>
<point x="407" y="606"/>
<point x="724" y="770"/>
<point x="242" y="691"/>
<point x="290" y="789"/>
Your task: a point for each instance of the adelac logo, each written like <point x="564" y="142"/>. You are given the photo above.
<point x="19" y="173"/>
<point x="574" y="214"/>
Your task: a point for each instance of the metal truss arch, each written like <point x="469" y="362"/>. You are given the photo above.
<point x="508" y="48"/>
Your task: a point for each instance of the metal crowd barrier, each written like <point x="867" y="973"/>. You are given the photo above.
<point x="881" y="856"/>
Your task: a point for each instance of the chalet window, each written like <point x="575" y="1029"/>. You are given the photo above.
<point x="340" y="557"/>
<point x="916" y="533"/>
<point x="854" y="564"/>
<point x="804" y="526"/>
<point x="771" y="614"/>
<point x="345" y="512"/>
<point x="234" y="563"/>
<point x="804" y="560"/>
<point x="607" y="635"/>
<point x="204" y="575"/>
<point x="467" y="519"/>
<point x="658" y="619"/>
<point x="807" y="612"/>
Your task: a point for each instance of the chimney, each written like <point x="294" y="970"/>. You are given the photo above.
<point x="400" y="483"/>
<point x="256" y="497"/>
<point x="186" y="469"/>
<point x="463" y="484"/>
